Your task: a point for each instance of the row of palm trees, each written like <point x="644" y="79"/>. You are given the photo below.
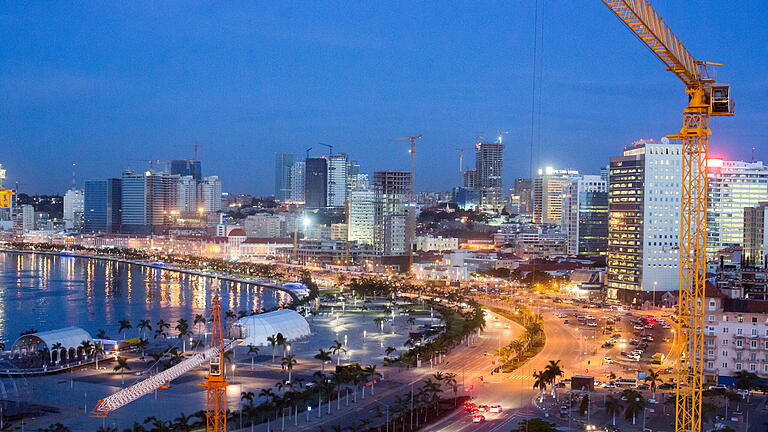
<point x="547" y="377"/>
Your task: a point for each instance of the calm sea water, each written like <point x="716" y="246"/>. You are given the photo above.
<point x="45" y="292"/>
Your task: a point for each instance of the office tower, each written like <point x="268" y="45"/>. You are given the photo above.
<point x="297" y="182"/>
<point x="316" y="183"/>
<point x="187" y="168"/>
<point x="358" y="181"/>
<point x="28" y="218"/>
<point x="73" y="209"/>
<point x="362" y="211"/>
<point x="103" y="205"/>
<point x="523" y="189"/>
<point x="489" y="165"/>
<point x="337" y="180"/>
<point x="470" y="179"/>
<point x="353" y="170"/>
<point x="644" y="221"/>
<point x="547" y="195"/>
<point x="585" y="215"/>
<point x="187" y="203"/>
<point x="148" y="200"/>
<point x="733" y="185"/>
<point x="605" y="173"/>
<point x="391" y="236"/>
<point x="283" y="164"/>
<point x="210" y="194"/>
<point x="755" y="235"/>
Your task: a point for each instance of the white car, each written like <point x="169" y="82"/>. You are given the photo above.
<point x="608" y="360"/>
<point x="495" y="409"/>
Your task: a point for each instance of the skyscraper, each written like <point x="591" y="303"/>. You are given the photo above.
<point x="547" y="195"/>
<point x="733" y="185"/>
<point x="188" y="191"/>
<point x="187" y="168"/>
<point x="391" y="212"/>
<point x="73" y="209"/>
<point x="210" y="194"/>
<point x="489" y="165"/>
<point x="148" y="199"/>
<point x="316" y="183"/>
<point x="337" y="180"/>
<point x="103" y="205"/>
<point x="585" y="215"/>
<point x="283" y="164"/>
<point x="297" y="181"/>
<point x="362" y="212"/>
<point x="755" y="235"/>
<point x="644" y="221"/>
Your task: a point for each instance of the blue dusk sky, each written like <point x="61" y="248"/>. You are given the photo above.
<point x="107" y="84"/>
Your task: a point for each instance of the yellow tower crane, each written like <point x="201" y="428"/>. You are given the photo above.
<point x="705" y="99"/>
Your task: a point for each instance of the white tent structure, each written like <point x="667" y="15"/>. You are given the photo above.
<point x="255" y="329"/>
<point x="64" y="344"/>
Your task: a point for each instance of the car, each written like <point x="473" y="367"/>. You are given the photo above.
<point x="634" y="342"/>
<point x="608" y="385"/>
<point x="565" y="322"/>
<point x="643" y="387"/>
<point x="482" y="408"/>
<point x="608" y="360"/>
<point x="616" y="335"/>
<point x="564" y="410"/>
<point x="611" y="341"/>
<point x="468" y="406"/>
<point x="639" y="327"/>
<point x="496" y="409"/>
<point x="717" y="387"/>
<point x="478" y="418"/>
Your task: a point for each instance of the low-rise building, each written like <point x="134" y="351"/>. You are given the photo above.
<point x="431" y="243"/>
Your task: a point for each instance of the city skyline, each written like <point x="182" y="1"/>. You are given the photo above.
<point x="103" y="112"/>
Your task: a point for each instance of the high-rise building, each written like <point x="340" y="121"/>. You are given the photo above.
<point x="523" y="189"/>
<point x="547" y="195"/>
<point x="585" y="215"/>
<point x="316" y="183"/>
<point x="489" y="166"/>
<point x="263" y="225"/>
<point x="353" y="171"/>
<point x="103" y="205"/>
<point x="362" y="211"/>
<point x="733" y="185"/>
<point x="73" y="209"/>
<point x="283" y="164"/>
<point x="28" y="218"/>
<point x="391" y="225"/>
<point x="470" y="179"/>
<point x="297" y="181"/>
<point x="148" y="201"/>
<point x="755" y="235"/>
<point x="188" y="196"/>
<point x="337" y="180"/>
<point x="210" y="194"/>
<point x="644" y="221"/>
<point x="187" y="168"/>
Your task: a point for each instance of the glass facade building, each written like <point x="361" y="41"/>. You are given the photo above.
<point x="102" y="205"/>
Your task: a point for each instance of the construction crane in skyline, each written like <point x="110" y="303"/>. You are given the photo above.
<point x="330" y="148"/>
<point x="5" y="194"/>
<point x="411" y="216"/>
<point x="705" y="98"/>
<point x="461" y="164"/>
<point x="307" y="151"/>
<point x="216" y="384"/>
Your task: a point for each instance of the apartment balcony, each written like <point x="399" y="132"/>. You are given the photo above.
<point x="738" y="347"/>
<point x="739" y="336"/>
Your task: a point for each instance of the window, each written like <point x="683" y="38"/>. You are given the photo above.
<point x="725" y="341"/>
<point x="754" y="319"/>
<point x="753" y="344"/>
<point x="711" y="318"/>
<point x="725" y="353"/>
<point x="725" y="329"/>
<point x="740" y="319"/>
<point x="739" y="343"/>
<point x="765" y="368"/>
<point x="754" y="332"/>
<point x="752" y="367"/>
<point x="711" y="365"/>
<point x="738" y="366"/>
<point x="739" y="331"/>
<point x="725" y="365"/>
<point x="711" y="304"/>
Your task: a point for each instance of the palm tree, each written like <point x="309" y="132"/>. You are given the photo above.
<point x="336" y="349"/>
<point x="253" y="351"/>
<point x="98" y="349"/>
<point x="653" y="378"/>
<point x="121" y="366"/>
<point x="183" y="328"/>
<point x="540" y="382"/>
<point x="745" y="380"/>
<point x="247" y="396"/>
<point x="287" y="364"/>
<point x="452" y="383"/>
<point x="144" y="325"/>
<point x="124" y="325"/>
<point x="552" y="371"/>
<point x="182" y="423"/>
<point x="323" y="356"/>
<point x="199" y="319"/>
<point x="370" y="373"/>
<point x="57" y="347"/>
<point x="272" y="342"/>
<point x="87" y="347"/>
<point x="613" y="407"/>
<point x="101" y="334"/>
<point x="379" y="323"/>
<point x="161" y="324"/>
<point x="282" y="341"/>
<point x="635" y="404"/>
<point x="390" y="350"/>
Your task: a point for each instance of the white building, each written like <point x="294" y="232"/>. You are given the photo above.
<point x="187" y="195"/>
<point x="337" y="180"/>
<point x="73" y="209"/>
<point x="28" y="217"/>
<point x="263" y="225"/>
<point x="547" y="194"/>
<point x="297" y="181"/>
<point x="210" y="194"/>
<point x="431" y="243"/>
<point x="643" y="232"/>
<point x="733" y="185"/>
<point x="339" y="231"/>
<point x="362" y="211"/>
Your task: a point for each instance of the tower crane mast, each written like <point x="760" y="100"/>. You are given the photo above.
<point x="705" y="99"/>
<point x="411" y="216"/>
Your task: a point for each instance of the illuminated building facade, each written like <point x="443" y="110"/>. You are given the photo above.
<point x="644" y="221"/>
<point x="733" y="186"/>
<point x="547" y="195"/>
<point x="585" y="215"/>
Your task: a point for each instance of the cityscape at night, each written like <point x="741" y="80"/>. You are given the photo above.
<point x="372" y="217"/>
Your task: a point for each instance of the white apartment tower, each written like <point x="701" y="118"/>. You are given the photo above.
<point x="644" y="223"/>
<point x="337" y="180"/>
<point x="73" y="209"/>
<point x="187" y="195"/>
<point x="547" y="194"/>
<point x="210" y="194"/>
<point x="362" y="210"/>
<point x="297" y="181"/>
